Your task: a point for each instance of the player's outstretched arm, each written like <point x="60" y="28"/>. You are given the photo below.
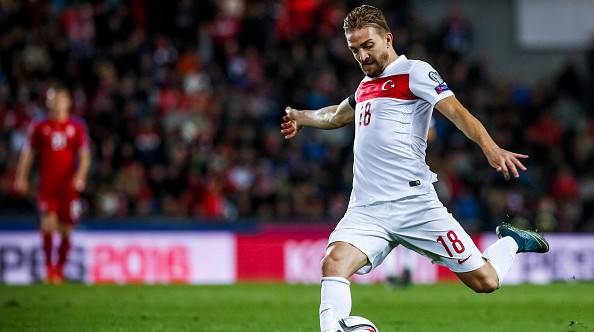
<point x="21" y="183"/>
<point x="330" y="117"/>
<point x="502" y="160"/>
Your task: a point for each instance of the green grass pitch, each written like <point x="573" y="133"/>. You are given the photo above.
<point x="559" y="307"/>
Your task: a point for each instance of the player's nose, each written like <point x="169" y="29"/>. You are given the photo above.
<point x="363" y="56"/>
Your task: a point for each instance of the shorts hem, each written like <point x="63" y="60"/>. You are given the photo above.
<point x="467" y="268"/>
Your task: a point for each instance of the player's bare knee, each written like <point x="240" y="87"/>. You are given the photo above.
<point x="485" y="285"/>
<point x="486" y="289"/>
<point x="49" y="223"/>
<point x="332" y="267"/>
<point x="329" y="266"/>
<point x="65" y="230"/>
<point x="490" y="285"/>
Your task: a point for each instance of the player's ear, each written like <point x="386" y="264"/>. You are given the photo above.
<point x="389" y="39"/>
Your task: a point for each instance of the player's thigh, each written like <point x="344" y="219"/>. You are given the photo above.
<point x="429" y="229"/>
<point x="362" y="228"/>
<point x="70" y="209"/>
<point x="48" y="210"/>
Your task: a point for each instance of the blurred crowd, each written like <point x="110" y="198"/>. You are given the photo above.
<point x="183" y="101"/>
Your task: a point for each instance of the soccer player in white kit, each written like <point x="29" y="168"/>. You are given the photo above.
<point x="393" y="200"/>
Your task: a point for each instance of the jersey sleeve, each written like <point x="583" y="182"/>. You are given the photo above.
<point x="427" y="84"/>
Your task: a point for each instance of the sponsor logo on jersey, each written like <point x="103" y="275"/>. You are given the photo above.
<point x="461" y="261"/>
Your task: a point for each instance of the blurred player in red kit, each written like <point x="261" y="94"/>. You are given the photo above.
<point x="61" y="144"/>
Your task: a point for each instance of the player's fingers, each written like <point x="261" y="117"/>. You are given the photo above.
<point x="519" y="164"/>
<point x="510" y="165"/>
<point x="519" y="155"/>
<point x="504" y="169"/>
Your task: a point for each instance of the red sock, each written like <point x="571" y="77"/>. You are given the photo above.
<point x="47" y="245"/>
<point x="63" y="252"/>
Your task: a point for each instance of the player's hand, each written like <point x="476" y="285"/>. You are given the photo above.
<point x="21" y="186"/>
<point x="79" y="183"/>
<point x="506" y="162"/>
<point x="290" y="126"/>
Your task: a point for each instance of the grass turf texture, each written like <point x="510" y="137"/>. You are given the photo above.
<point x="278" y="307"/>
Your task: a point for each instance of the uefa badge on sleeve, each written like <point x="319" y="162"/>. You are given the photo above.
<point x="441" y="88"/>
<point x="441" y="85"/>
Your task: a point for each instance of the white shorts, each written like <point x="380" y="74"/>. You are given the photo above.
<point x="420" y="223"/>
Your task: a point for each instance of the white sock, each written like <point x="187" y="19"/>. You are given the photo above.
<point x="335" y="302"/>
<point x="501" y="254"/>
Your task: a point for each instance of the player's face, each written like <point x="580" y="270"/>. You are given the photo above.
<point x="371" y="49"/>
<point x="58" y="103"/>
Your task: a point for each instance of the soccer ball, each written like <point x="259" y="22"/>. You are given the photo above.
<point x="356" y="324"/>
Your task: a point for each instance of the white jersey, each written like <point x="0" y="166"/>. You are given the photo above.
<point x="392" y="117"/>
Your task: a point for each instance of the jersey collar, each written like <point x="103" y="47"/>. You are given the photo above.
<point x="392" y="64"/>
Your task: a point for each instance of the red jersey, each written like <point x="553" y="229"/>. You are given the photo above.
<point x="57" y="145"/>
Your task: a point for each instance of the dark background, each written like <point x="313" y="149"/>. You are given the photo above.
<point x="184" y="99"/>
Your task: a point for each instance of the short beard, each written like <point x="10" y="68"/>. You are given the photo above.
<point x="383" y="59"/>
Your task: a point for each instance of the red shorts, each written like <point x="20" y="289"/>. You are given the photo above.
<point x="64" y="203"/>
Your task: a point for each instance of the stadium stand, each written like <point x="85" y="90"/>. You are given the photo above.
<point x="184" y="100"/>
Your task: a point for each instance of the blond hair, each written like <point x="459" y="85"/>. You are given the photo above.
<point x="365" y="16"/>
